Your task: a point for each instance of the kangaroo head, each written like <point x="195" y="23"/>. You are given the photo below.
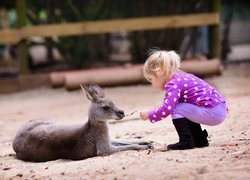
<point x="101" y="108"/>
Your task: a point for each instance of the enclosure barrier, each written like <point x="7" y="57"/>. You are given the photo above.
<point x="18" y="36"/>
<point x="105" y="26"/>
<point x="109" y="26"/>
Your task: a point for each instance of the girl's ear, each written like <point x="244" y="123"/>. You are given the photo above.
<point x="87" y="92"/>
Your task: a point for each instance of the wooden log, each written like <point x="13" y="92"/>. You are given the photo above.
<point x="57" y="78"/>
<point x="202" y="68"/>
<point x="127" y="75"/>
<point x="105" y="77"/>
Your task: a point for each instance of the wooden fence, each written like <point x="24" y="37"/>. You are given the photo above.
<point x="107" y="26"/>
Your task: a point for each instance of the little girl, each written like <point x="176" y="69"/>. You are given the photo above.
<point x="188" y="99"/>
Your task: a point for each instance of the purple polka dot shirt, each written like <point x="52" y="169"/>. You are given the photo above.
<point x="185" y="88"/>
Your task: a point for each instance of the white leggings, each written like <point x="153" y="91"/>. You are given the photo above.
<point x="202" y="115"/>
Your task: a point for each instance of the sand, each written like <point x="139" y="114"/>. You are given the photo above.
<point x="227" y="157"/>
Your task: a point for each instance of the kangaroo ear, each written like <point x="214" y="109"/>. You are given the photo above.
<point x="97" y="91"/>
<point x="88" y="92"/>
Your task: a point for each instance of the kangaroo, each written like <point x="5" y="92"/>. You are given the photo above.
<point x="43" y="140"/>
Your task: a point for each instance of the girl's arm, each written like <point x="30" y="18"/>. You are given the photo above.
<point x="172" y="95"/>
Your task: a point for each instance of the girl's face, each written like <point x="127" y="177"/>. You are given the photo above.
<point x="158" y="81"/>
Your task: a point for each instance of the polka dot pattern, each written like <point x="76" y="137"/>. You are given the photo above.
<point x="185" y="88"/>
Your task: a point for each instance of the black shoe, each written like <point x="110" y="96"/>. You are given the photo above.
<point x="199" y="136"/>
<point x="185" y="135"/>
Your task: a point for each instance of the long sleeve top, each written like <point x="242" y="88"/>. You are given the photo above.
<point x="185" y="88"/>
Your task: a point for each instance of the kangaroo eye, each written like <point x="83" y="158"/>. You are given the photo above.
<point x="106" y="107"/>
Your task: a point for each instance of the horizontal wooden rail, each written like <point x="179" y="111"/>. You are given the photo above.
<point x="9" y="36"/>
<point x="109" y="26"/>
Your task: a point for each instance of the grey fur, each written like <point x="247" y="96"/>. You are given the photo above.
<point x="42" y="140"/>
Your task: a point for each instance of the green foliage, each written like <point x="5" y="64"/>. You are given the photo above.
<point x="84" y="51"/>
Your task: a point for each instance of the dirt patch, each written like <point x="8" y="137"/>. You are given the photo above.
<point x="227" y="157"/>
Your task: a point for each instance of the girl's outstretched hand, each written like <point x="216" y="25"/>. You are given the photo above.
<point x="144" y="115"/>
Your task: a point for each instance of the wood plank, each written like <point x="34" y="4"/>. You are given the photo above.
<point x="9" y="85"/>
<point x="108" y="26"/>
<point x="31" y="81"/>
<point x="24" y="82"/>
<point x="9" y="36"/>
<point x="129" y="75"/>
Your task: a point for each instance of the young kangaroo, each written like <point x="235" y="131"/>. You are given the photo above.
<point x="41" y="140"/>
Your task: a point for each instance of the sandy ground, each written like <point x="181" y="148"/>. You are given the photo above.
<point x="227" y="157"/>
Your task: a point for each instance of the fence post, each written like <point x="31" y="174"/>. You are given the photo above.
<point x="215" y="41"/>
<point x="22" y="50"/>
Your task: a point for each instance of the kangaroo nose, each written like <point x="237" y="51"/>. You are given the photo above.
<point x="121" y="113"/>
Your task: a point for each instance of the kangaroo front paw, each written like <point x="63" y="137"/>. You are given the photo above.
<point x="145" y="143"/>
<point x="150" y="146"/>
<point x="146" y="147"/>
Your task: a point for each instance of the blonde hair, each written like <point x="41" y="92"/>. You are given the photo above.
<point x="161" y="61"/>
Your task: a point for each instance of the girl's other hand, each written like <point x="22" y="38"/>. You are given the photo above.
<point x="144" y="115"/>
